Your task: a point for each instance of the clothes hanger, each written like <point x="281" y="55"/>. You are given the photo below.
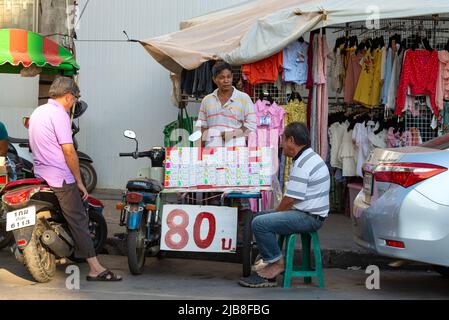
<point x="270" y="99"/>
<point x="446" y="47"/>
<point x="382" y="41"/>
<point x="295" y="95"/>
<point x="381" y="126"/>
<point x="426" y="44"/>
<point x="352" y="123"/>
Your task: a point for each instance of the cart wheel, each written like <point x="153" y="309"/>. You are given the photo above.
<point x="247" y="249"/>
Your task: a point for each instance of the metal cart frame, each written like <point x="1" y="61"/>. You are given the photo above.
<point x="248" y="242"/>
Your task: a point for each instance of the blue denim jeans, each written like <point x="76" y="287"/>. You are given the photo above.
<point x="268" y="224"/>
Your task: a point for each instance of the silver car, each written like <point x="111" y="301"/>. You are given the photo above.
<point x="403" y="209"/>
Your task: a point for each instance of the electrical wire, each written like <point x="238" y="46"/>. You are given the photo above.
<point x="101" y="40"/>
<point x="82" y="13"/>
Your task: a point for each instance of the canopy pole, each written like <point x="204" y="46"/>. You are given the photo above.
<point x="182" y="106"/>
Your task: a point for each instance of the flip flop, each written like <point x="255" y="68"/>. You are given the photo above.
<point x="256" y="281"/>
<point x="259" y="265"/>
<point x="106" y="275"/>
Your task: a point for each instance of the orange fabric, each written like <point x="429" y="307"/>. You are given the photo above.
<point x="19" y="47"/>
<point x="264" y="71"/>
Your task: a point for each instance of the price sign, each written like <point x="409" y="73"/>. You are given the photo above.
<point x="199" y="228"/>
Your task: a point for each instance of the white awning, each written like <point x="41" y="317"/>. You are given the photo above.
<point x="258" y="29"/>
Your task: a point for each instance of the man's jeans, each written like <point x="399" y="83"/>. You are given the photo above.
<point x="267" y="225"/>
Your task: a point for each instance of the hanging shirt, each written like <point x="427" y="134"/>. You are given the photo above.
<point x="394" y="79"/>
<point x="336" y="132"/>
<point x="264" y="71"/>
<point x="335" y="67"/>
<point x="416" y="137"/>
<point x="419" y="74"/>
<point x="295" y="62"/>
<point x="377" y="140"/>
<point x="384" y="63"/>
<point x="360" y="139"/>
<point x="393" y="139"/>
<point x="270" y="125"/>
<point x="198" y="82"/>
<point x="202" y="81"/>
<point x="295" y="111"/>
<point x="352" y="76"/>
<point x="346" y="154"/>
<point x="443" y="79"/>
<point x="238" y="112"/>
<point x="368" y="88"/>
<point x="387" y="77"/>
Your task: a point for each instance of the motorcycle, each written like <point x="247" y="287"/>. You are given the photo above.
<point x="138" y="209"/>
<point x="88" y="173"/>
<point x="7" y="238"/>
<point x="32" y="213"/>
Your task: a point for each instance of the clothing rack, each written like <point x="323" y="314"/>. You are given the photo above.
<point x="434" y="28"/>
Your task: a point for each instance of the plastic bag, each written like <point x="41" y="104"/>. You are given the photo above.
<point x="277" y="191"/>
<point x="186" y="123"/>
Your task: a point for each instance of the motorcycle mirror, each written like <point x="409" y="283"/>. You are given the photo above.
<point x="79" y="109"/>
<point x="130" y="134"/>
<point x="195" y="136"/>
<point x="26" y="122"/>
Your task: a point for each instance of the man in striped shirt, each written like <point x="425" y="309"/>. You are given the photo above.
<point x="226" y="115"/>
<point x="303" y="208"/>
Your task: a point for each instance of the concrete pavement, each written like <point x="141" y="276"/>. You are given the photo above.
<point x="203" y="277"/>
<point x="173" y="279"/>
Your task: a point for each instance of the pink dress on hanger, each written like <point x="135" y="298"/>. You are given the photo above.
<point x="322" y="104"/>
<point x="270" y="126"/>
<point x="393" y="139"/>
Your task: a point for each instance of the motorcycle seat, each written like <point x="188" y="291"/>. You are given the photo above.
<point x="19" y="141"/>
<point x="145" y="185"/>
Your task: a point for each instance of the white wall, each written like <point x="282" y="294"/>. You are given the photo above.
<point x="123" y="85"/>
<point x="18" y="98"/>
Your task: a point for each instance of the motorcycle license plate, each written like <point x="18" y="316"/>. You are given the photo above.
<point x="22" y="218"/>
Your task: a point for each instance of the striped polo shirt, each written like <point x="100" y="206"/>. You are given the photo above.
<point x="237" y="113"/>
<point x="309" y="183"/>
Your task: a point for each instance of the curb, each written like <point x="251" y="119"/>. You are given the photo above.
<point x="332" y="258"/>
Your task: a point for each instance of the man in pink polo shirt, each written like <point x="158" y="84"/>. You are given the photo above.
<point x="56" y="161"/>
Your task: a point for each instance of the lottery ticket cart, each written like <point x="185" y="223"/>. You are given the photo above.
<point x="192" y="225"/>
<point x="246" y="243"/>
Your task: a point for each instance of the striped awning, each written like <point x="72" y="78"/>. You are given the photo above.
<point x="22" y="48"/>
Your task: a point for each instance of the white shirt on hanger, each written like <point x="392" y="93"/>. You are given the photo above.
<point x="336" y="132"/>
<point x="346" y="154"/>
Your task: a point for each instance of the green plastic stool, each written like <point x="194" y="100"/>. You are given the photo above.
<point x="305" y="270"/>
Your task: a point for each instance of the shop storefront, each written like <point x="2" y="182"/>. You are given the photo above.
<point x="347" y="80"/>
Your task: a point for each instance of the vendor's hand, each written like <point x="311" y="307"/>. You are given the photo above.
<point x="83" y="190"/>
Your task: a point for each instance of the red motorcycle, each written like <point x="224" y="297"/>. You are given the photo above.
<point x="32" y="213"/>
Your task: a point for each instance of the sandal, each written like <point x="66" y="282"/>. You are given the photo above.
<point x="256" y="281"/>
<point x="106" y="275"/>
<point x="259" y="265"/>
